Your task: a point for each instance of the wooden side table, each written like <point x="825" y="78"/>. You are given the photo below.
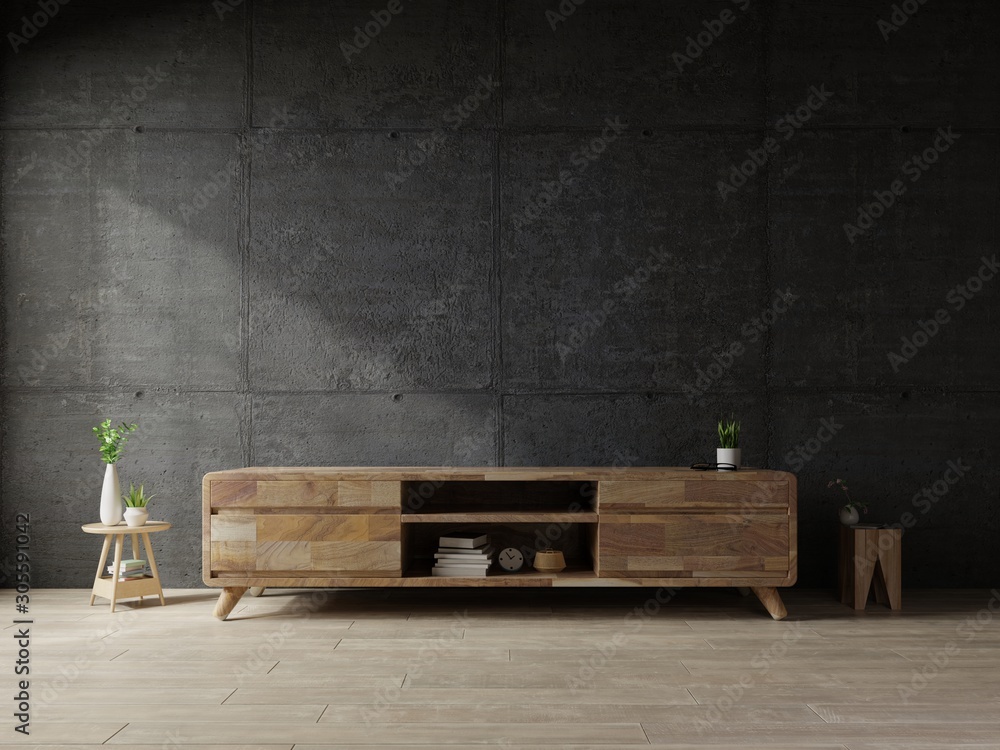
<point x="871" y="556"/>
<point x="110" y="587"/>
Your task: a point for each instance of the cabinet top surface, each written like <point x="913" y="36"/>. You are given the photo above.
<point x="493" y="473"/>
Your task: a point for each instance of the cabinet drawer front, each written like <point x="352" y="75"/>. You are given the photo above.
<point x="692" y="494"/>
<point x="323" y="542"/>
<point x="302" y="494"/>
<point x="693" y="544"/>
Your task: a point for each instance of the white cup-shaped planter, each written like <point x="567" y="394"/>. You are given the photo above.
<point x="136" y="516"/>
<point x="728" y="456"/>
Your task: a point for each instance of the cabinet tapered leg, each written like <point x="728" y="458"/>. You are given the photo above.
<point x="228" y="600"/>
<point x="257" y="590"/>
<point x="771" y="600"/>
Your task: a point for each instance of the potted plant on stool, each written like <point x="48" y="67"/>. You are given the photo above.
<point x="135" y="502"/>
<point x="849" y="512"/>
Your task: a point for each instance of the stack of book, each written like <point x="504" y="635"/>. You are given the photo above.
<point x="465" y="554"/>
<point x="130" y="570"/>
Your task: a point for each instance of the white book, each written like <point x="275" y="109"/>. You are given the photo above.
<point x="465" y="540"/>
<point x="461" y="564"/>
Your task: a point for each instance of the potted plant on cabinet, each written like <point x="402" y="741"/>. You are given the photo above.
<point x="136" y="501"/>
<point x="113" y="441"/>
<point x="849" y="512"/>
<point x="728" y="451"/>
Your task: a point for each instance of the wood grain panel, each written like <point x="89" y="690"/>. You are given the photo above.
<point x="672" y="544"/>
<point x="357" y="494"/>
<point x="233" y="493"/>
<point x="691" y="494"/>
<point x="297" y="494"/>
<point x="284" y="555"/>
<point x="383" y="528"/>
<point x="366" y="556"/>
<point x="234" y="528"/>
<point x="312" y="528"/>
<point x="233" y="555"/>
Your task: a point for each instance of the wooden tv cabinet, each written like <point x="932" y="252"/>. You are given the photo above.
<point x="361" y="526"/>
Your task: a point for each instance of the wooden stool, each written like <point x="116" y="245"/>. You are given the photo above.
<point x="110" y="587"/>
<point x="870" y="556"/>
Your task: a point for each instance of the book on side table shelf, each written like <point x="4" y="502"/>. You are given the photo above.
<point x="466" y="554"/>
<point x="129" y="569"/>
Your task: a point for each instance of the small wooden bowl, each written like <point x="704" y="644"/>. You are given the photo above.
<point x="549" y="561"/>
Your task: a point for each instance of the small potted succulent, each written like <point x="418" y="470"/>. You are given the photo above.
<point x="728" y="451"/>
<point x="849" y="512"/>
<point x="113" y="441"/>
<point x="135" y="505"/>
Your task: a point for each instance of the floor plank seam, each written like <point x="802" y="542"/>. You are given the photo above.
<point x="122" y="729"/>
<point x="228" y="697"/>
<point x="825" y="721"/>
<point x="320" y="717"/>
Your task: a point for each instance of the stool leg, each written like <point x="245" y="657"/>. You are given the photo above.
<point x="119" y="543"/>
<point x="100" y="565"/>
<point x="152" y="566"/>
<point x="890" y="570"/>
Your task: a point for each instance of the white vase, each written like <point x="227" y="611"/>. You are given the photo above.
<point x="728" y="456"/>
<point x="849" y="516"/>
<point x="111" y="497"/>
<point x="136" y="516"/>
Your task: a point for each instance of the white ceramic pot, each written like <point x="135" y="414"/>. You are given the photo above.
<point x="111" y="497"/>
<point x="849" y="516"/>
<point x="728" y="456"/>
<point x="136" y="516"/>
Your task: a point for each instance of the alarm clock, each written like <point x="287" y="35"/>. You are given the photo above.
<point x="511" y="559"/>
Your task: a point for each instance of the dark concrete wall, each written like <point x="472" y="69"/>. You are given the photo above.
<point x="217" y="226"/>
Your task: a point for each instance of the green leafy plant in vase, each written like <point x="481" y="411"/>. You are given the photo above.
<point x="136" y="500"/>
<point x="113" y="441"/>
<point x="849" y="511"/>
<point x="729" y="451"/>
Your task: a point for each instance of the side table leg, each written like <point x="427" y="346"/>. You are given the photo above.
<point x="152" y="565"/>
<point x="117" y="570"/>
<point x="771" y="600"/>
<point x="100" y="565"/>
<point x="257" y="590"/>
<point x="135" y="551"/>
<point x="228" y="600"/>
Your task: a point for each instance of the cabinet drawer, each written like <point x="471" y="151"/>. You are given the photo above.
<point x="303" y="494"/>
<point x="692" y="494"/>
<point x="693" y="545"/>
<point x="357" y="543"/>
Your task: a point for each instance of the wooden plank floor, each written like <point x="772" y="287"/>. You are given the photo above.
<point x="509" y="668"/>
